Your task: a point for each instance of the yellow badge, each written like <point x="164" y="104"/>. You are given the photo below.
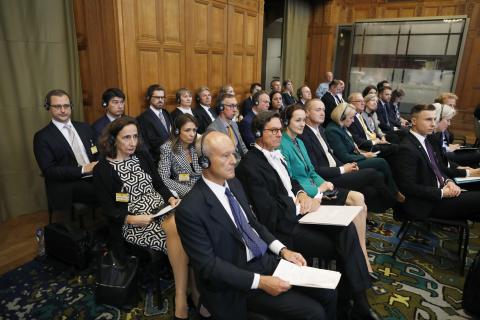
<point x="121" y="197"/>
<point x="93" y="149"/>
<point x="183" y="177"/>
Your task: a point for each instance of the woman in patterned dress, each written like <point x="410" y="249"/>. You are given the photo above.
<point x="178" y="166"/>
<point x="130" y="190"/>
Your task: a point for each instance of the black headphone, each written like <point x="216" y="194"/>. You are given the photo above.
<point x="111" y="139"/>
<point x="111" y="93"/>
<point x="203" y="160"/>
<point x="344" y="116"/>
<point x="56" y="92"/>
<point x="299" y="92"/>
<point x="176" y="129"/>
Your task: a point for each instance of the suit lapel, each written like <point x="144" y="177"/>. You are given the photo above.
<point x="157" y="124"/>
<point x="421" y="150"/>
<point x="58" y="136"/>
<point x="85" y="140"/>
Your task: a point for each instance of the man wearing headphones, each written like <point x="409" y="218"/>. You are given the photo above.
<point x="204" y="111"/>
<point x="232" y="254"/>
<point x="261" y="102"/>
<point x="66" y="154"/>
<point x="113" y="101"/>
<point x="248" y="103"/>
<point x="275" y="85"/>
<point x="223" y="123"/>
<point x="155" y="122"/>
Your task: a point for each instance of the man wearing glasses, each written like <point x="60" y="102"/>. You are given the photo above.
<point x="223" y="123"/>
<point x="113" y="101"/>
<point x="261" y="102"/>
<point x="155" y="123"/>
<point x="66" y="154"/>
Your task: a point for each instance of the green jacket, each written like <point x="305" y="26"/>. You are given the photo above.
<point x="299" y="165"/>
<point x="342" y="144"/>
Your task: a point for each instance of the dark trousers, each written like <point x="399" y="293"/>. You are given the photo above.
<point x="465" y="158"/>
<point x="465" y="206"/>
<point x="383" y="167"/>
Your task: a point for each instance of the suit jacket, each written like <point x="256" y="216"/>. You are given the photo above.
<point x="216" y="249"/>
<point x="288" y="99"/>
<point x="330" y="104"/>
<point x="342" y="144"/>
<point x="98" y="126"/>
<point x="153" y="132"/>
<point x="392" y="115"/>
<point x="57" y="162"/>
<point x="317" y="154"/>
<point x="172" y="164"/>
<point x="436" y="139"/>
<point x="299" y="165"/>
<point x="203" y="118"/>
<point x="219" y="125"/>
<point x="359" y="135"/>
<point x="247" y="106"/>
<point x="177" y="112"/>
<point x="416" y="178"/>
<point x="266" y="192"/>
<point x="383" y="118"/>
<point x="245" y="127"/>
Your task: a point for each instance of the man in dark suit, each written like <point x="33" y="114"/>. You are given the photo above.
<point x="232" y="254"/>
<point x="330" y="100"/>
<point x="384" y="96"/>
<point x="113" y="101"/>
<point x="303" y="94"/>
<point x="155" y="122"/>
<point x="287" y="93"/>
<point x="204" y="112"/>
<point x="66" y="154"/>
<point x="367" y="181"/>
<point x="261" y="102"/>
<point x="425" y="181"/>
<point x="247" y="104"/>
<point x="279" y="202"/>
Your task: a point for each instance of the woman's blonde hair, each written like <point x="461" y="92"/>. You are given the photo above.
<point x="341" y="111"/>
<point x="443" y="111"/>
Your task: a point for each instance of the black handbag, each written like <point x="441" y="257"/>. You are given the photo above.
<point x="471" y="298"/>
<point x="68" y="244"/>
<point x="115" y="281"/>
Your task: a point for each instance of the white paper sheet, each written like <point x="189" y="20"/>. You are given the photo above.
<point x="163" y="211"/>
<point x="332" y="215"/>
<point x="307" y="276"/>
<point x="467" y="180"/>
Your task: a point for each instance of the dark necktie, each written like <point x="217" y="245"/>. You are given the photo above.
<point x="433" y="162"/>
<point x="256" y="245"/>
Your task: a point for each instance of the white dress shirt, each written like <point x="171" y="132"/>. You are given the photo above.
<point x="186" y="110"/>
<point x="219" y="192"/>
<point x="208" y="111"/>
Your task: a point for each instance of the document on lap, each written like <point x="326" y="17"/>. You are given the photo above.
<point x="331" y="215"/>
<point x="162" y="211"/>
<point x="304" y="276"/>
<point x="467" y="180"/>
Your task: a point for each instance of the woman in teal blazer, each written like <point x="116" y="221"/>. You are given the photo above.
<point x="300" y="168"/>
<point x="345" y="149"/>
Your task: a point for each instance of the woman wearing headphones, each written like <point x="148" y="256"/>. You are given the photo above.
<point x="300" y="168"/>
<point x="347" y="151"/>
<point x="130" y="190"/>
<point x="178" y="166"/>
<point x="184" y="103"/>
<point x="276" y="101"/>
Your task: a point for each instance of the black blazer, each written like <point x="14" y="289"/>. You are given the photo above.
<point x="57" y="162"/>
<point x="247" y="106"/>
<point x="217" y="251"/>
<point x="98" y="126"/>
<point x="107" y="184"/>
<point x="245" y="127"/>
<point x="359" y="135"/>
<point x="203" y="118"/>
<point x="153" y="132"/>
<point x="288" y="99"/>
<point x="383" y="118"/>
<point x="416" y="178"/>
<point x="270" y="200"/>
<point x="330" y="104"/>
<point x="317" y="155"/>
<point x="436" y="139"/>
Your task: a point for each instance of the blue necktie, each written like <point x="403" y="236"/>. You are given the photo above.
<point x="256" y="245"/>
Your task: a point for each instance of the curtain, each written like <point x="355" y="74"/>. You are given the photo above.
<point x="295" y="33"/>
<point x="38" y="52"/>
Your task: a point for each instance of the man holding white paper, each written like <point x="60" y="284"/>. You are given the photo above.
<point x="232" y="254"/>
<point x="279" y="202"/>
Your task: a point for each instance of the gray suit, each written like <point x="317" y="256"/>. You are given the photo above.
<point x="220" y="125"/>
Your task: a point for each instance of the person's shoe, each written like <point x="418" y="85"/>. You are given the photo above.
<point x="373" y="276"/>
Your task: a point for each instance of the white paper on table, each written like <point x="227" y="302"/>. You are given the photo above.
<point x="332" y="215"/>
<point x="163" y="211"/>
<point x="467" y="180"/>
<point x="304" y="276"/>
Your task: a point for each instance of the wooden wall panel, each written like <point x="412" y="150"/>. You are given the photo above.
<point x="327" y="15"/>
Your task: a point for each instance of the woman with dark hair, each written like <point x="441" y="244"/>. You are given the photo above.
<point x="183" y="96"/>
<point x="178" y="166"/>
<point x="371" y="89"/>
<point x="276" y="101"/>
<point x="130" y="190"/>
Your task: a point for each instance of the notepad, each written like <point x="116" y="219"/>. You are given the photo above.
<point x="467" y="180"/>
<point x="332" y="215"/>
<point x="163" y="211"/>
<point x="304" y="276"/>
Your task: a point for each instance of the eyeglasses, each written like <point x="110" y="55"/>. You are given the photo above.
<point x="274" y="131"/>
<point x="233" y="106"/>
<point x="60" y="106"/>
<point x="158" y="97"/>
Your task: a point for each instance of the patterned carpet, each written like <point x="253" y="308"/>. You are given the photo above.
<point x="423" y="282"/>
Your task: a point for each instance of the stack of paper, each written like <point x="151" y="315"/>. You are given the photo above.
<point x="307" y="276"/>
<point x="332" y="215"/>
<point x="467" y="180"/>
